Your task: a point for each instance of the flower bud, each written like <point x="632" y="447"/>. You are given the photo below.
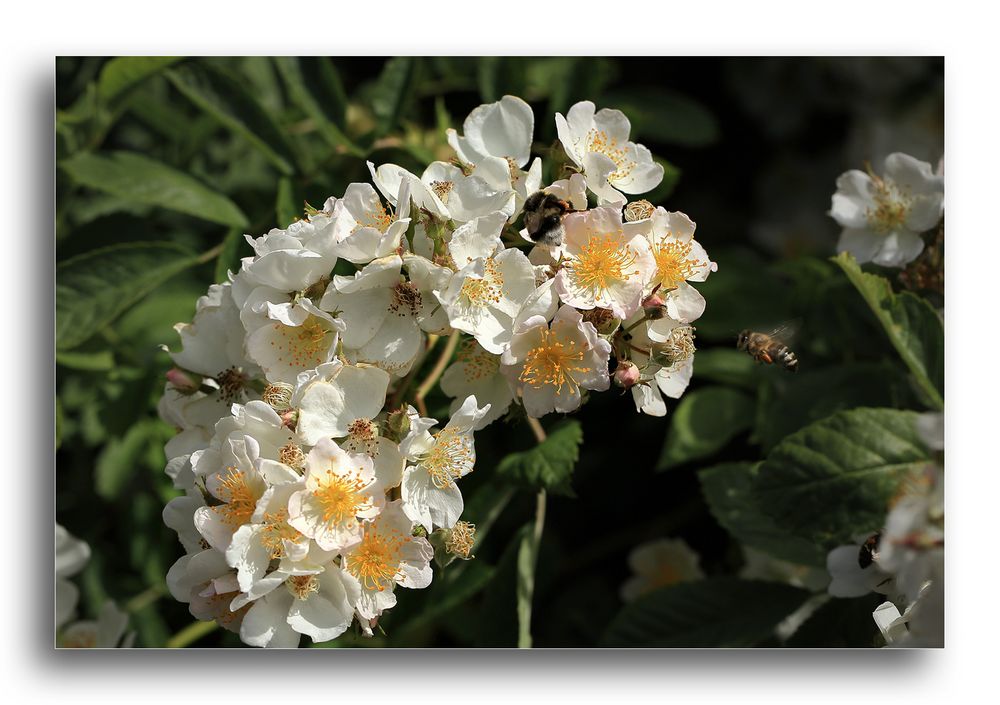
<point x="626" y="375"/>
<point x="655" y="307"/>
<point x="181" y="381"/>
<point x="397" y="425"/>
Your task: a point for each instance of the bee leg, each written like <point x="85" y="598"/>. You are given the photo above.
<point x="766" y="358"/>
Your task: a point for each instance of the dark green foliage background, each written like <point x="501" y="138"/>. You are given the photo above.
<point x="196" y="152"/>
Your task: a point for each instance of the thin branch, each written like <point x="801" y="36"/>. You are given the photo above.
<point x="190" y="634"/>
<point x="435" y="374"/>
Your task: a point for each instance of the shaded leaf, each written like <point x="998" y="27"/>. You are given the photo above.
<point x="549" y="464"/>
<point x="229" y="259"/>
<point x="661" y="115"/>
<point x="121" y="458"/>
<point x="139" y="179"/>
<point x="726" y="366"/>
<point x="91" y="361"/>
<point x="227" y="100"/>
<point x="286" y="207"/>
<point x="314" y="86"/>
<point x="94" y="289"/>
<point x="704" y="422"/>
<point x="728" y="489"/>
<point x="841" y="624"/>
<point x="716" y="612"/>
<point x="125" y="72"/>
<point x="913" y="326"/>
<point x="501" y="75"/>
<point x="835" y="478"/>
<point x="393" y="91"/>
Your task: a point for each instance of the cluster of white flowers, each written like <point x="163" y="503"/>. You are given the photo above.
<point x="883" y="216"/>
<point x="312" y="489"/>
<point x="905" y="560"/>
<point x="108" y="631"/>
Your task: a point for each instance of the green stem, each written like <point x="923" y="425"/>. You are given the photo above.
<point x="435" y="374"/>
<point x="144" y="598"/>
<point x="190" y="634"/>
<point x="527" y="557"/>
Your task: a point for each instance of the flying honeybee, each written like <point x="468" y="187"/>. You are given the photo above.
<point x="769" y="347"/>
<point x="543" y="214"/>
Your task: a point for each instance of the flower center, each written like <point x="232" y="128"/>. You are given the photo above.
<point x="406" y="299"/>
<point x="478" y="363"/>
<point x="278" y="396"/>
<point x="552" y="362"/>
<point x="341" y="496"/>
<point x="485" y="291"/>
<point x="451" y="458"/>
<point x="303" y="346"/>
<point x="291" y="455"/>
<point x="302" y="586"/>
<point x="442" y="189"/>
<point x="638" y="210"/>
<point x="601" y="261"/>
<point x="239" y="499"/>
<point x="231" y="385"/>
<point x="276" y="531"/>
<point x="677" y="348"/>
<point x="891" y="206"/>
<point x="461" y="538"/>
<point x="673" y="264"/>
<point x="375" y="562"/>
<point x="597" y="141"/>
<point x="362" y="437"/>
<point x="378" y="218"/>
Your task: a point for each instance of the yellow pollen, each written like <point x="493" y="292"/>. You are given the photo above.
<point x="552" y="362"/>
<point x="461" y="539"/>
<point x="451" y="458"/>
<point x="892" y="206"/>
<point x="477" y="363"/>
<point x="341" y="496"/>
<point x="303" y="346"/>
<point x="485" y="291"/>
<point x="597" y="141"/>
<point x="601" y="261"/>
<point x="378" y="218"/>
<point x="239" y="499"/>
<point x="442" y="189"/>
<point x="275" y="531"/>
<point x="673" y="265"/>
<point x="375" y="562"/>
<point x="302" y="586"/>
<point x="291" y="455"/>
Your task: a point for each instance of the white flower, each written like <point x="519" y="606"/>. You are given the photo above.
<point x="660" y="563"/>
<point x="598" y="144"/>
<point x="295" y="258"/>
<point x="267" y="537"/>
<point x="363" y="229"/>
<point x="679" y="259"/>
<point x="607" y="264"/>
<point x="334" y="396"/>
<point x="890" y="622"/>
<point x="105" y="633"/>
<point x="475" y="373"/>
<point x="212" y="344"/>
<point x="340" y="488"/>
<point x="388" y="555"/>
<point x="429" y="492"/>
<point x="883" y="216"/>
<point x="71" y="555"/>
<point x="849" y="579"/>
<point x="502" y="129"/>
<point x="209" y="585"/>
<point x="320" y="605"/>
<point x="663" y="350"/>
<point x="294" y="338"/>
<point x="550" y="366"/>
<point x="380" y="312"/>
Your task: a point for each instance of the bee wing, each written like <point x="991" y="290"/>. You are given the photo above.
<point x="786" y="332"/>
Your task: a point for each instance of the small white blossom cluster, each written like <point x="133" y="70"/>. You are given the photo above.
<point x="883" y="216"/>
<point x="108" y="631"/>
<point x="904" y="561"/>
<point x="312" y="489"/>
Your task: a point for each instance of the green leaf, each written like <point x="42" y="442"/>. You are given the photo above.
<point x="229" y="259"/>
<point x="840" y="624"/>
<point x="90" y="361"/>
<point x="125" y="72"/>
<point x="314" y="86"/>
<point x="393" y="91"/>
<point x="121" y="458"/>
<point x="661" y="115"/>
<point x="716" y="612"/>
<point x="286" y="207"/>
<point x="704" y="422"/>
<point x="501" y="75"/>
<point x="727" y="366"/>
<point x="140" y="179"/>
<point x="476" y="576"/>
<point x="227" y="100"/>
<point x="913" y="326"/>
<point x="95" y="288"/>
<point x="728" y="489"/>
<point x="549" y="464"/>
<point x="834" y="478"/>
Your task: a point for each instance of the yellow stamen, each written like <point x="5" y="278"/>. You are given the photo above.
<point x="305" y="346"/>
<point x="341" y="496"/>
<point x="276" y="531"/>
<point x="478" y="364"/>
<point x="597" y="141"/>
<point x="451" y="458"/>
<point x="375" y="562"/>
<point x="485" y="291"/>
<point x="603" y="260"/>
<point x="673" y="265"/>
<point x="552" y="362"/>
<point x="240" y="500"/>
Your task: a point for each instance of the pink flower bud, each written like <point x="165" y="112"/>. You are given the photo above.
<point x="181" y="381"/>
<point x="626" y="374"/>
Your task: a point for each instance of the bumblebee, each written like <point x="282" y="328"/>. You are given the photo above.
<point x="866" y="554"/>
<point x="769" y="347"/>
<point x="543" y="214"/>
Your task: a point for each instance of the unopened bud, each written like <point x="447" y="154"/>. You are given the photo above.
<point x="278" y="396"/>
<point x="397" y="426"/>
<point x="626" y="375"/>
<point x="181" y="381"/>
<point x="289" y="419"/>
<point x="638" y="210"/>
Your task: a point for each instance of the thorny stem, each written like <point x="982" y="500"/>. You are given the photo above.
<point x="527" y="578"/>
<point x="435" y="374"/>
